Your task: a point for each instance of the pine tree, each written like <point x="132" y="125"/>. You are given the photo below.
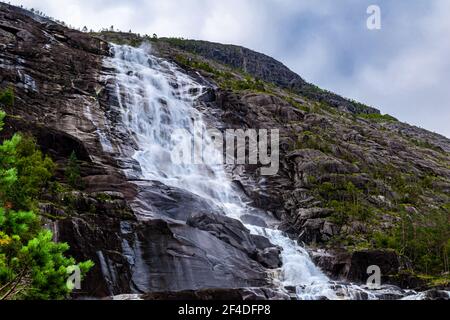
<point x="73" y="171"/>
<point x="32" y="266"/>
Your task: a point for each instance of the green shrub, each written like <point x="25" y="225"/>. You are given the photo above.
<point x="248" y="83"/>
<point x="73" y="172"/>
<point x="424" y="239"/>
<point x="377" y="117"/>
<point x="298" y="105"/>
<point x="195" y="64"/>
<point x="426" y="145"/>
<point x="34" y="171"/>
<point x="309" y="140"/>
<point x="7" y="97"/>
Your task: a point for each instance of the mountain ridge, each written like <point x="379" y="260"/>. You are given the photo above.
<point x="256" y="64"/>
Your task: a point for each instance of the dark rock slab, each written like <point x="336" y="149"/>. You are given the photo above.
<point x="246" y="294"/>
<point x="388" y="262"/>
<point x="155" y="255"/>
<point x="158" y="200"/>
<point x="233" y="232"/>
<point x="343" y="265"/>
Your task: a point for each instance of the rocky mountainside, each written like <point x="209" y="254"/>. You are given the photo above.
<point x="268" y="69"/>
<point x="350" y="177"/>
<point x="357" y="187"/>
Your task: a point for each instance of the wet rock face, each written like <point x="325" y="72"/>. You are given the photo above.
<point x="54" y="72"/>
<point x="48" y="65"/>
<point x="153" y="255"/>
<point x="156" y="255"/>
<point x="194" y="259"/>
<point x="98" y="239"/>
<point x="342" y="265"/>
<point x="156" y="200"/>
<point x="244" y="294"/>
<point x="136" y="232"/>
<point x="233" y="232"/>
<point x="58" y="144"/>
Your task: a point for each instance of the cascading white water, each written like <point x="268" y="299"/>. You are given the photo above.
<point x="155" y="99"/>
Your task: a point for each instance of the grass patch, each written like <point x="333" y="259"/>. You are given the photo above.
<point x="377" y="117"/>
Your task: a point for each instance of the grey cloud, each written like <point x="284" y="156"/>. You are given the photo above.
<point x="403" y="69"/>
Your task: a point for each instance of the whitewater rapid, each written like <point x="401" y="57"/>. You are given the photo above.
<point x="155" y="99"/>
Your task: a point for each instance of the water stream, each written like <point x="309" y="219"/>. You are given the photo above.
<point x="155" y="99"/>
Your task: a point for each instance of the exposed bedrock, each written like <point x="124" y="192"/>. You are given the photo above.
<point x="244" y="294"/>
<point x="135" y="231"/>
<point x="353" y="266"/>
<point x="156" y="255"/>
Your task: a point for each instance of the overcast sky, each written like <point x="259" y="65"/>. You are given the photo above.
<point x="402" y="69"/>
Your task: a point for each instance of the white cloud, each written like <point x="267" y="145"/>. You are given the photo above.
<point x="404" y="70"/>
<point x="413" y="83"/>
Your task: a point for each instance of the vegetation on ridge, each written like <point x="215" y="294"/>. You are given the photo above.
<point x="376" y="205"/>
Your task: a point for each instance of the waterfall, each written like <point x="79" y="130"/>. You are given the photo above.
<point x="155" y="99"/>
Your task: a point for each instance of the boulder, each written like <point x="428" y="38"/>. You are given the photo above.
<point x="254" y="220"/>
<point x="353" y="266"/>
<point x="335" y="263"/>
<point x="269" y="257"/>
<point x="233" y="232"/>
<point x="156" y="200"/>
<point x="387" y="261"/>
